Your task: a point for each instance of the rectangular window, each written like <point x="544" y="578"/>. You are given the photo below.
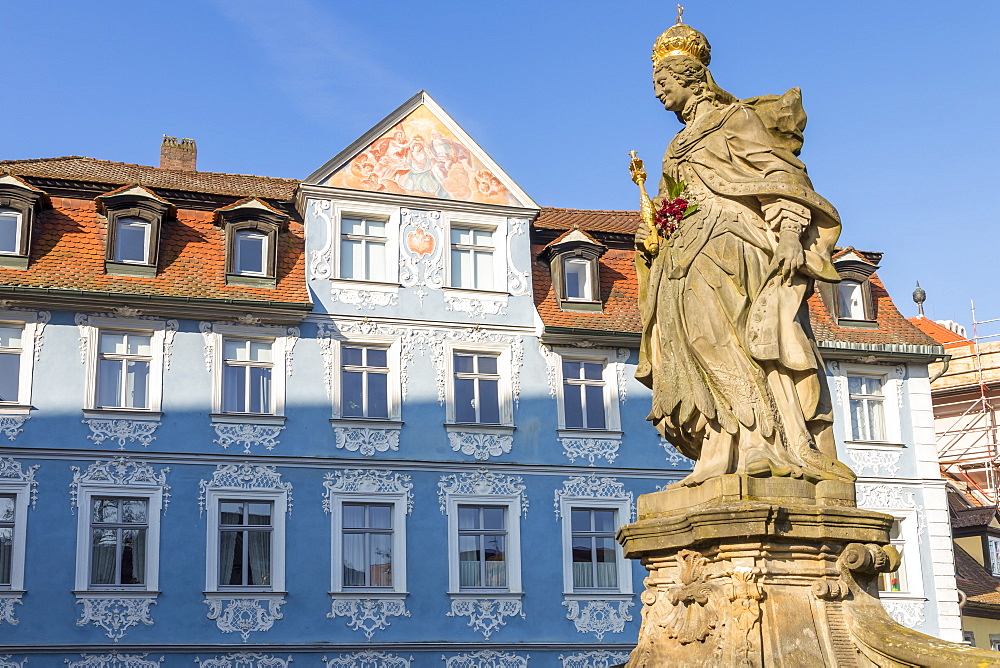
<point x="595" y="559"/>
<point x="245" y="530"/>
<point x="472" y="258"/>
<point x="362" y="249"/>
<point x="477" y="388"/>
<point x="11" y="338"/>
<point x="132" y="241"/>
<point x="994" y="548"/>
<point x="246" y="376"/>
<point x="10" y="231"/>
<point x="867" y="415"/>
<point x="482" y="546"/>
<point x="852" y="305"/>
<point x="250" y="250"/>
<point x="583" y="394"/>
<point x="7" y="505"/>
<point x="367" y="548"/>
<point x="123" y="365"/>
<point x="896" y="581"/>
<point x="365" y="381"/>
<point x="576" y="275"/>
<point x="118" y="529"/>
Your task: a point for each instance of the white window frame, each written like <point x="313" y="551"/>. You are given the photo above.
<point x="612" y="412"/>
<point x="132" y="221"/>
<point x="156" y="330"/>
<point x="279" y="511"/>
<point x="505" y="391"/>
<point x="30" y="323"/>
<point x="391" y="216"/>
<point x="590" y="265"/>
<point x="891" y="387"/>
<point x="908" y="522"/>
<point x="501" y="250"/>
<point x="21" y="491"/>
<point x="265" y="251"/>
<point x="623" y="511"/>
<point x="512" y="502"/>
<point x="393" y="346"/>
<point x="858" y="293"/>
<point x="280" y="343"/>
<point x="85" y="496"/>
<point x="18" y="229"/>
<point x="398" y="502"/>
<point x="993" y="550"/>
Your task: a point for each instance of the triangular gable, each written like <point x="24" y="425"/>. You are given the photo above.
<point x="420" y="150"/>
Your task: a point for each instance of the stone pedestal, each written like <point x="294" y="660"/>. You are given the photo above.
<point x="769" y="572"/>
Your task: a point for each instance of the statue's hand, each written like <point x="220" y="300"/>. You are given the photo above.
<point x="788" y="256"/>
<point x="641" y="235"/>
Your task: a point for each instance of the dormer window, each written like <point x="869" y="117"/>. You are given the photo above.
<point x="851" y="300"/>
<point x="251" y="242"/>
<point x="135" y="215"/>
<point x="577" y="279"/>
<point x="573" y="264"/>
<point x="251" y="253"/>
<point x="19" y="204"/>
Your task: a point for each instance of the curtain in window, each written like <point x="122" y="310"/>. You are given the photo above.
<point x="102" y="559"/>
<point x="227" y="556"/>
<point x="138" y="544"/>
<point x="354" y="560"/>
<point x="381" y="560"/>
<point x="260" y="558"/>
<point x="6" y="554"/>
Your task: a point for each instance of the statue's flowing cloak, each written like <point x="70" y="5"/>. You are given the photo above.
<point x="717" y="317"/>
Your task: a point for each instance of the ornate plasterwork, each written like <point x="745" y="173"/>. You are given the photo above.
<point x="595" y="659"/>
<point x="343" y="330"/>
<point x="839" y="381"/>
<point x="422" y="251"/>
<point x="598" y="616"/>
<point x="7" y="603"/>
<point x="366" y="482"/>
<point x="82" y="321"/>
<point x="875" y="461"/>
<point x="364" y="299"/>
<point x="368" y="659"/>
<point x="486" y="658"/>
<point x="674" y="458"/>
<point x="11" y="469"/>
<point x="140" y="431"/>
<point x="120" y="471"/>
<point x="892" y="497"/>
<point x="481" y="446"/>
<point x="291" y="338"/>
<point x="115" y="614"/>
<point x="244" y="660"/>
<point x="365" y="440"/>
<point x="594" y="487"/>
<point x="481" y="482"/>
<point x="518" y="283"/>
<point x="170" y="328"/>
<point x="244" y="615"/>
<point x="7" y="662"/>
<point x="552" y="361"/>
<point x="368" y="615"/>
<point x="908" y="613"/>
<point x="246" y="477"/>
<point x="486" y="615"/>
<point x="10" y="425"/>
<point x="436" y="340"/>
<point x="590" y="449"/>
<point x="208" y="338"/>
<point x="114" y="660"/>
<point x="477" y="307"/>
<point x="247" y="435"/>
<point x="321" y="261"/>
<point x="621" y="355"/>
<point x="38" y="318"/>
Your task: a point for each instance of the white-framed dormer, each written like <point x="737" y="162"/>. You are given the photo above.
<point x="20" y="345"/>
<point x="869" y="402"/>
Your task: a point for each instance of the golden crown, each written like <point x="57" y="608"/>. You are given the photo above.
<point x="681" y="39"/>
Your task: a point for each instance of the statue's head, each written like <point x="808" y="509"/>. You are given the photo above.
<point x="680" y="70"/>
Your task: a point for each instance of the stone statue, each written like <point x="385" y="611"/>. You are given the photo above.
<point x="727" y="348"/>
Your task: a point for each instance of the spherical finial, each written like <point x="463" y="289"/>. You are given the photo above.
<point x="919" y="296"/>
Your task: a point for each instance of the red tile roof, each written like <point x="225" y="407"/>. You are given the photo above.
<point x="937" y="331"/>
<point x="618" y="222"/>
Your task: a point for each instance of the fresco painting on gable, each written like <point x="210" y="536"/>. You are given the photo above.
<point x="421" y="156"/>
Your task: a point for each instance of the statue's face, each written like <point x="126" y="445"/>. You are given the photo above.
<point x="669" y="91"/>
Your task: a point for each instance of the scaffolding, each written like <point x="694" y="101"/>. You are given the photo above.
<point x="965" y="398"/>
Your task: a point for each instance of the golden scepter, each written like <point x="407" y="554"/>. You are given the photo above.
<point x="652" y="242"/>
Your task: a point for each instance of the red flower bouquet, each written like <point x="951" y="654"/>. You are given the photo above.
<point x="674" y="209"/>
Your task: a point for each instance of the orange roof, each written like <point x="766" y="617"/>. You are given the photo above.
<point x="617" y="222"/>
<point x="938" y="332"/>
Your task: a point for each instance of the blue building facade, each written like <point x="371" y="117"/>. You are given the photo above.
<point x="385" y="416"/>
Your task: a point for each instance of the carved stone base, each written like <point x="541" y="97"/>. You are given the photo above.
<point x="769" y="572"/>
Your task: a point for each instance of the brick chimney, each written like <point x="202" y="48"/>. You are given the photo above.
<point x="182" y="155"/>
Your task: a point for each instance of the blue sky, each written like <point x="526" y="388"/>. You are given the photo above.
<point x="903" y="99"/>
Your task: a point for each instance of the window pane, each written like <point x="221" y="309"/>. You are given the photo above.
<point x="482" y="238"/>
<point x="10" y="223"/>
<point x="463" y="364"/>
<point x="133" y="564"/>
<point x="260" y="351"/>
<point x="571" y="370"/>
<point x="580" y="520"/>
<point x="495" y="555"/>
<point x="354" y="560"/>
<point x="461" y="236"/>
<point x="487" y="364"/>
<point x="352" y="356"/>
<point x="259" y="514"/>
<point x="113" y="343"/>
<point x="375" y="260"/>
<point x="131" y="238"/>
<point x="378" y="389"/>
<point x="376" y="228"/>
<point x="484" y="271"/>
<point x="231" y="558"/>
<point x="573" y="406"/>
<point x="380" y="559"/>
<point x="6" y="554"/>
<point x="236" y="350"/>
<point x="109" y="382"/>
<point x="461" y="269"/>
<point x="595" y="406"/>
<point x="138" y="345"/>
<point x="6" y="508"/>
<point x="354" y="515"/>
<point x="351" y="262"/>
<point x="858" y="431"/>
<point x="231" y="512"/>
<point x="378" y="357"/>
<point x="607" y="566"/>
<point x="851" y="305"/>
<point x="138" y="381"/>
<point x="259" y="561"/>
<point x="469" y="562"/>
<point x="10" y="337"/>
<point x="234" y="389"/>
<point x="380" y="517"/>
<point x="465" y="409"/>
<point x="352" y="226"/>
<point x="489" y="400"/>
<point x="10" y="371"/>
<point x="493" y="518"/>
<point x="875" y="420"/>
<point x="134" y="511"/>
<point x="468" y="517"/>
<point x="102" y="556"/>
<point x="353" y="401"/>
<point x="250" y="252"/>
<point x="260" y="390"/>
<point x="577" y="275"/>
<point x="604" y="521"/>
<point x="593" y="371"/>
<point x="105" y="510"/>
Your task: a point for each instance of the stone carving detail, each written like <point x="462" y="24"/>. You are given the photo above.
<point x="368" y="659"/>
<point x="11" y="469"/>
<point x="594" y="659"/>
<point x="480" y="446"/>
<point x="209" y="342"/>
<point x="170" y="328"/>
<point x="114" y="660"/>
<point x="590" y="449"/>
<point x="687" y="612"/>
<point x="839" y="381"/>
<point x="115" y="615"/>
<point x="422" y="253"/>
<point x="321" y="262"/>
<point x="140" y="431"/>
<point x="82" y="321"/>
<point x="291" y="338"/>
<point x="674" y="458"/>
<point x="120" y="471"/>
<point x="908" y="613"/>
<point x="245" y="476"/>
<point x="875" y="461"/>
<point x="244" y="660"/>
<point x="594" y="487"/>
<point x="244" y="615"/>
<point x="477" y="307"/>
<point x="480" y="482"/>
<point x="552" y="361"/>
<point x="599" y="617"/>
<point x="435" y="340"/>
<point x="892" y="497"/>
<point x="247" y="435"/>
<point x="896" y="377"/>
<point x="486" y="615"/>
<point x="744" y="595"/>
<point x="7" y="603"/>
<point x="366" y="481"/>
<point x="368" y="614"/>
<point x="366" y="441"/>
<point x="10" y="425"/>
<point x="517" y="281"/>
<point x="364" y="299"/>
<point x="486" y="658"/>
